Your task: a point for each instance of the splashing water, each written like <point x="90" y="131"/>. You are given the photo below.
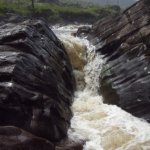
<point x="102" y="126"/>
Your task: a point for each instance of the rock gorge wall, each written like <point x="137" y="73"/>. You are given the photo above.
<point x="36" y="87"/>
<point x="125" y="42"/>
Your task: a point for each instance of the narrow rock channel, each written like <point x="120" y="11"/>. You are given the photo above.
<point x="102" y="126"/>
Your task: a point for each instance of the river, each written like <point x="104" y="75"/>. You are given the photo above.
<point x="102" y="126"/>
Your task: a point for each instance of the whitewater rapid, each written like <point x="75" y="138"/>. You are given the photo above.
<point x="102" y="126"/>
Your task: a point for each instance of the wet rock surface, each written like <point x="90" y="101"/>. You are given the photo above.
<point x="83" y="31"/>
<point x="124" y="41"/>
<point x="36" y="80"/>
<point x="69" y="144"/>
<point x="11" y="17"/>
<point x="12" y="138"/>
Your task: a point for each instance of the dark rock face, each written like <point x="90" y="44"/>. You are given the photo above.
<point x="11" y="17"/>
<point x="12" y="138"/>
<point x="125" y="42"/>
<point x="68" y="144"/>
<point x="36" y="80"/>
<point x="83" y="31"/>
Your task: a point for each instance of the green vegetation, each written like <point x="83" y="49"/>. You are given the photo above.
<point x="57" y="12"/>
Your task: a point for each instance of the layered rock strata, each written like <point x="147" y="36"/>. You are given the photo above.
<point x="124" y="41"/>
<point x="36" y="81"/>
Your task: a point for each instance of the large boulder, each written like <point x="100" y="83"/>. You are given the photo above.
<point x="125" y="42"/>
<point x="36" y="80"/>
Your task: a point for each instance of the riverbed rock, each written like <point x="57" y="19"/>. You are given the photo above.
<point x="13" y="138"/>
<point x="36" y="80"/>
<point x="125" y="43"/>
<point x="83" y="31"/>
<point x="11" y="17"/>
<point x="70" y="144"/>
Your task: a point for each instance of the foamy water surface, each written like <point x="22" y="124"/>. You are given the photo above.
<point x="102" y="126"/>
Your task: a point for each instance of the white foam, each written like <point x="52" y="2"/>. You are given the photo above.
<point x="102" y="126"/>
